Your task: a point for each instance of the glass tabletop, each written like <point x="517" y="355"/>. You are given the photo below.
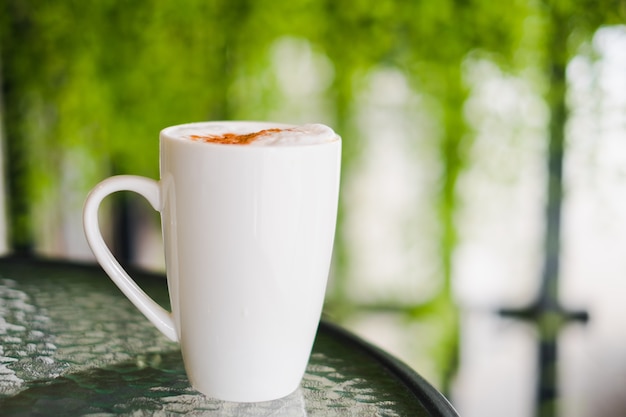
<point x="71" y="344"/>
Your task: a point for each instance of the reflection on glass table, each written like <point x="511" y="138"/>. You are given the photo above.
<point x="71" y="344"/>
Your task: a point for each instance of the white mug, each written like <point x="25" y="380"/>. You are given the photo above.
<point x="248" y="234"/>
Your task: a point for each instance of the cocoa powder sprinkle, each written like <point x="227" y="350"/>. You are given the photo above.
<point x="233" y="138"/>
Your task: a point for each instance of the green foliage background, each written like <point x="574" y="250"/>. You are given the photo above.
<point x="86" y="86"/>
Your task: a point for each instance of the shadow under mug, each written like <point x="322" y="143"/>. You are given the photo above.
<point x="248" y="236"/>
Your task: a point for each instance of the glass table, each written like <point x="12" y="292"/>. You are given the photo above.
<point x="71" y="344"/>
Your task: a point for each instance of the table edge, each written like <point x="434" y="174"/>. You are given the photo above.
<point x="434" y="401"/>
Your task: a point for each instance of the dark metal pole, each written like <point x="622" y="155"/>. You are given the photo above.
<point x="546" y="311"/>
<point x="15" y="149"/>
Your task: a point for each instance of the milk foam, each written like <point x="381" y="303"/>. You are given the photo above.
<point x="266" y="134"/>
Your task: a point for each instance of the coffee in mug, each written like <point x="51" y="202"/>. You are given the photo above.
<point x="248" y="213"/>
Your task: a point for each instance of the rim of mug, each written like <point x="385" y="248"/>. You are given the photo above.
<point x="166" y="133"/>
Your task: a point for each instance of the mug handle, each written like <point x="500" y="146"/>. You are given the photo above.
<point x="151" y="191"/>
